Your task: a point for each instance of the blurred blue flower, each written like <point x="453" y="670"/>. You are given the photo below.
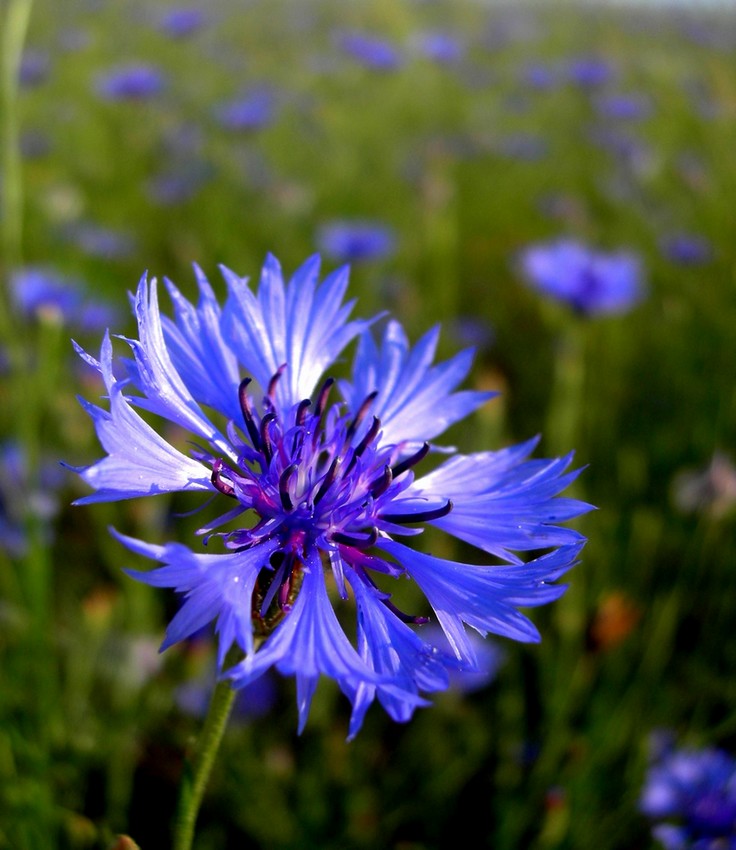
<point x="38" y="291"/>
<point x="539" y="76"/>
<point x="181" y="22"/>
<point x="250" y="112"/>
<point x="254" y="700"/>
<point x="370" y="51"/>
<point x="625" y="107"/>
<point x="592" y="282"/>
<point x="95" y="240"/>
<point x="445" y="48"/>
<point x="687" y="249"/>
<point x="310" y="490"/>
<point x="130" y="82"/>
<point x="590" y="71"/>
<point x="354" y="241"/>
<point x="690" y="794"/>
<point x="20" y="495"/>
<point x="34" y="67"/>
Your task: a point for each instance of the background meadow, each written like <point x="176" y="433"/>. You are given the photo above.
<point x="147" y="136"/>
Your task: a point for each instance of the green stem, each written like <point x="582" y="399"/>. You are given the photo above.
<point x="197" y="771"/>
<point x="16" y="14"/>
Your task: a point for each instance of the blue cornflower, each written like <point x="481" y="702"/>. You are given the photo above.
<point x="687" y="249"/>
<point x="137" y="81"/>
<point x="439" y="46"/>
<point x="352" y="241"/>
<point x="592" y="282"/>
<point x="181" y="22"/>
<point x="370" y="51"/>
<point x="691" y="795"/>
<point x="250" y="112"/>
<point x="37" y="292"/>
<point x="314" y="501"/>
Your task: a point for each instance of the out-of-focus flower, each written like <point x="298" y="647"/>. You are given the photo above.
<point x="355" y="241"/>
<point x="41" y="292"/>
<point x="592" y="282"/>
<point x="34" y="68"/>
<point x="304" y="490"/>
<point x="539" y="76"/>
<point x="137" y="81"/>
<point x="95" y="240"/>
<point x="710" y="491"/>
<point x="181" y="22"/>
<point x="250" y="112"/>
<point x="445" y="48"/>
<point x="590" y="71"/>
<point x="19" y="496"/>
<point x="687" y="249"/>
<point x="690" y="795"/>
<point x="370" y="51"/>
<point x="625" y="107"/>
<point x="614" y="619"/>
<point x="490" y="658"/>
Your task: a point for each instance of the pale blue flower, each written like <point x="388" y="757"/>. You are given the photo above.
<point x="690" y="795"/>
<point x="591" y="282"/>
<point x="315" y="500"/>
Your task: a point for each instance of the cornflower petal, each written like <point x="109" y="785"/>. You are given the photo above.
<point x="164" y="391"/>
<point x="308" y="643"/>
<point x="139" y="462"/>
<point x="304" y="325"/>
<point x="484" y="597"/>
<point x="497" y="496"/>
<point x="415" y="400"/>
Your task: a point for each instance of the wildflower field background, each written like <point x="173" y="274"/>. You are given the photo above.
<point x="428" y="144"/>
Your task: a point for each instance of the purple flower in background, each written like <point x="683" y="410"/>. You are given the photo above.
<point x="590" y="71"/>
<point x="538" y="76"/>
<point x="687" y="249"/>
<point x="592" y="282"/>
<point x="39" y="292"/>
<point x="442" y="47"/>
<point x="690" y="794"/>
<point x="130" y="82"/>
<point x="98" y="241"/>
<point x="370" y="50"/>
<point x="19" y="495"/>
<point x="34" y="68"/>
<point x="313" y="502"/>
<point x="252" y="111"/>
<point x="624" y="107"/>
<point x="354" y="241"/>
<point x="181" y="22"/>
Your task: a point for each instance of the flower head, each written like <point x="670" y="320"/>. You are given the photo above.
<point x="137" y="81"/>
<point x="317" y="498"/>
<point x="692" y="795"/>
<point x="592" y="282"/>
<point x="353" y="241"/>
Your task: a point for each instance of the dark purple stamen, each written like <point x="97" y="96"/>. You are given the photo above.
<point x="284" y="482"/>
<point x="301" y="411"/>
<point x="413" y="460"/>
<point x="365" y="442"/>
<point x="354" y="541"/>
<point x="245" y="406"/>
<point x="360" y="415"/>
<point x="218" y="481"/>
<point x="274" y="381"/>
<point x="328" y="480"/>
<point x="406" y="618"/>
<point x="382" y="483"/>
<point x="322" y="397"/>
<point x="266" y="442"/>
<point x="419" y="516"/>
